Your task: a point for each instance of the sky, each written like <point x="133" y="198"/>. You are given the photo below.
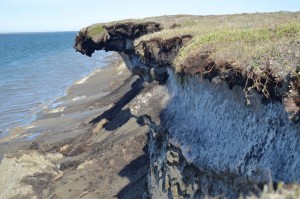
<point x="72" y="15"/>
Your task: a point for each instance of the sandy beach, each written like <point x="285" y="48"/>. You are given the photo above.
<point x="68" y="111"/>
<point x="67" y="153"/>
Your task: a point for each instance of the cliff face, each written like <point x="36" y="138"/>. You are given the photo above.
<point x="208" y="139"/>
<point x="217" y="144"/>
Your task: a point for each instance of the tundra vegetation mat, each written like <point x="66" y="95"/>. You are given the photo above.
<point x="258" y="52"/>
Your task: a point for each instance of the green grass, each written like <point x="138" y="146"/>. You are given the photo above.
<point x="240" y="44"/>
<point x="243" y="39"/>
<point x="95" y="30"/>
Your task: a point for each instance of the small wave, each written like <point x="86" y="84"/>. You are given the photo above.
<point x="83" y="80"/>
<point x="57" y="110"/>
<point x="79" y="98"/>
<point x="32" y="80"/>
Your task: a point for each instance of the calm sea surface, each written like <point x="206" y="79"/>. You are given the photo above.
<point x="36" y="68"/>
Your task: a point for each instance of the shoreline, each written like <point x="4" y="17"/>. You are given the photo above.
<point x="81" y="146"/>
<point x="74" y="95"/>
<point x="48" y="106"/>
<point x="46" y="98"/>
<point x="51" y="104"/>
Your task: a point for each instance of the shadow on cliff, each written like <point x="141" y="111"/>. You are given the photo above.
<point x="116" y="116"/>
<point x="136" y="172"/>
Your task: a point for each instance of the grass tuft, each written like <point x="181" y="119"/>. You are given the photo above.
<point x="240" y="44"/>
<point x="245" y="40"/>
<point x="95" y="30"/>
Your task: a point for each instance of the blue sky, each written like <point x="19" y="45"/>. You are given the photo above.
<point x="62" y="15"/>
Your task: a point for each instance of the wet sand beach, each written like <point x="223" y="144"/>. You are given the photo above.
<point x="87" y="141"/>
<point x="70" y="110"/>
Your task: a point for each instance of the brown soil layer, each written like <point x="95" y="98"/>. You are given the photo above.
<point x="268" y="79"/>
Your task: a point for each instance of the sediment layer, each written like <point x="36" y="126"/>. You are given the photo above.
<point x="223" y="130"/>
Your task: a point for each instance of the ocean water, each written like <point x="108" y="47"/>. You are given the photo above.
<point x="35" y="69"/>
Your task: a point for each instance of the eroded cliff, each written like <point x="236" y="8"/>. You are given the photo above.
<point x="223" y="130"/>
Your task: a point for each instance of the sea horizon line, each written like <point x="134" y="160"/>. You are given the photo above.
<point x="37" y="32"/>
